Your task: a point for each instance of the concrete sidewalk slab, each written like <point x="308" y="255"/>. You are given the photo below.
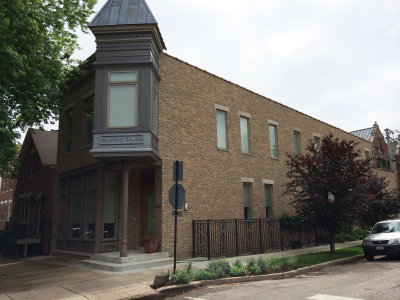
<point x="59" y="278"/>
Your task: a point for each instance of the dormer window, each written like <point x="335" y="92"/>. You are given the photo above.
<point x="122" y="108"/>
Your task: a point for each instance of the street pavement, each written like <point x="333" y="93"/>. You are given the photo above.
<point x="48" y="277"/>
<point x="360" y="280"/>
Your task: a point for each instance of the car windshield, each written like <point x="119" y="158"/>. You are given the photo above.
<point x="386" y="227"/>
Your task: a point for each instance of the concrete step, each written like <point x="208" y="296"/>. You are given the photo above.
<point x="133" y="256"/>
<point x="127" y="266"/>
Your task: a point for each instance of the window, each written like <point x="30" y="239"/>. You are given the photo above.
<point x="268" y="201"/>
<point x="89" y="221"/>
<point x="75" y="213"/>
<point x="383" y="164"/>
<point x="296" y="142"/>
<point x="110" y="204"/>
<point x="380" y="144"/>
<point x="367" y="156"/>
<point x="244" y="134"/>
<point x="122" y="99"/>
<point x="68" y="132"/>
<point x="24" y="210"/>
<point x="317" y="142"/>
<point x="89" y="119"/>
<point x="273" y="140"/>
<point x="9" y="210"/>
<point x="248" y="213"/>
<point x="155" y="106"/>
<point x="221" y="129"/>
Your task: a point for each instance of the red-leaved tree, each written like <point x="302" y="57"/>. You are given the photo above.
<point x="337" y="168"/>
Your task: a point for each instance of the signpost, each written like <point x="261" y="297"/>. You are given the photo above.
<point x="177" y="197"/>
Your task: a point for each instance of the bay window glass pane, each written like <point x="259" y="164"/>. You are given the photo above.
<point x="244" y="134"/>
<point x="110" y="204"/>
<point x="122" y="105"/>
<point x="273" y="141"/>
<point x="296" y="140"/>
<point x="123" y="76"/>
<point x="221" y="129"/>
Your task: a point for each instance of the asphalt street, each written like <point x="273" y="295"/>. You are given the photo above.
<point x="376" y="280"/>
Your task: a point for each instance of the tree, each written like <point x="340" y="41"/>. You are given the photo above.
<point x="37" y="39"/>
<point x="337" y="168"/>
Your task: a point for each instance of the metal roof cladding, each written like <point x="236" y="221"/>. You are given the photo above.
<point x="363" y="133"/>
<point x="124" y="12"/>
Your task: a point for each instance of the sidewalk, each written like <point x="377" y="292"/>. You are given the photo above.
<point x="58" y="278"/>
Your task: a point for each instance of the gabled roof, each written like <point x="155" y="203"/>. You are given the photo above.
<point x="124" y="12"/>
<point x="363" y="133"/>
<point x="45" y="143"/>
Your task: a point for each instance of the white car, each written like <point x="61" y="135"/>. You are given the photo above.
<point x="383" y="239"/>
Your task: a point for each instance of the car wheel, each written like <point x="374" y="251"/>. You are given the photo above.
<point x="369" y="257"/>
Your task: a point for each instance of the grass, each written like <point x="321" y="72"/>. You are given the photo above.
<point x="320" y="257"/>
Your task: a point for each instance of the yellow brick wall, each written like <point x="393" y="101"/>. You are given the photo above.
<point x="213" y="177"/>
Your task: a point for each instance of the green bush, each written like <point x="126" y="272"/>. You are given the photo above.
<point x="180" y="277"/>
<point x="220" y="268"/>
<point x="288" y="263"/>
<point x="253" y="267"/>
<point x="262" y="264"/>
<point x="204" y="275"/>
<point x="272" y="264"/>
<point x="238" y="269"/>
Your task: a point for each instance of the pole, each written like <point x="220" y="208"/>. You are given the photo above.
<point x="176" y="211"/>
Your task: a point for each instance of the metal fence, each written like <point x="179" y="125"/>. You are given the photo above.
<point x="233" y="237"/>
<point x="26" y="239"/>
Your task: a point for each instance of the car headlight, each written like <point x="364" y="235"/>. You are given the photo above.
<point x="367" y="242"/>
<point x="394" y="242"/>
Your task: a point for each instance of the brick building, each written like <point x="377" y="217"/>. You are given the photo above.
<point x="34" y="192"/>
<point x="7" y="187"/>
<point x="148" y="109"/>
<point x="381" y="155"/>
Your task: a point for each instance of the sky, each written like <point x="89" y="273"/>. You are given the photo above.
<point x="335" y="60"/>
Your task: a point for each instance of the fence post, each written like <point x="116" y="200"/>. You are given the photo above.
<point x="236" y="237"/>
<point x="280" y="228"/>
<point x="261" y="239"/>
<point x="208" y="240"/>
<point x="193" y="237"/>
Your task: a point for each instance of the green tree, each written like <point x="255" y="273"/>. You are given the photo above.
<point x="37" y="39"/>
<point x="337" y="168"/>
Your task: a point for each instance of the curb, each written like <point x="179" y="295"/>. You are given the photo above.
<point x="274" y="276"/>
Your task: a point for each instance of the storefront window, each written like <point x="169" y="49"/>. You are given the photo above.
<point x="90" y="205"/>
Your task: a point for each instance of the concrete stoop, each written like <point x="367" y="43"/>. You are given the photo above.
<point x="136" y="260"/>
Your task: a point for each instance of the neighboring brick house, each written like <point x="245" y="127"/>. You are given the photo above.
<point x="7" y="187"/>
<point x="148" y="109"/>
<point x="34" y="193"/>
<point x="381" y="156"/>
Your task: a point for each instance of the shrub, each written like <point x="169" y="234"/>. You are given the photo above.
<point x="204" y="275"/>
<point x="262" y="264"/>
<point x="272" y="264"/>
<point x="220" y="268"/>
<point x="180" y="277"/>
<point x="288" y="262"/>
<point x="238" y="269"/>
<point x="253" y="267"/>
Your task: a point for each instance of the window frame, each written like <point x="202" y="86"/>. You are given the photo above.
<point x="248" y="214"/>
<point x="154" y="105"/>
<point x="246" y="117"/>
<point x="317" y="137"/>
<point x="110" y="83"/>
<point x="225" y="114"/>
<point x="69" y="123"/>
<point x="299" y="142"/>
<point x="273" y="125"/>
<point x="269" y="208"/>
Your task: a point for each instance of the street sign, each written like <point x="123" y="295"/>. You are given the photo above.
<point x="181" y="196"/>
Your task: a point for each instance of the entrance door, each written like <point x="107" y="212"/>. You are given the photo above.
<point x="146" y="207"/>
